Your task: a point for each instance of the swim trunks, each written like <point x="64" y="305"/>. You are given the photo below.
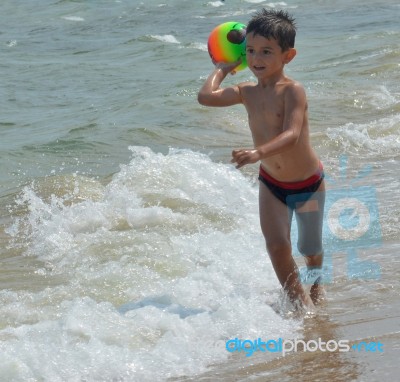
<point x="286" y="191"/>
<point x="294" y="195"/>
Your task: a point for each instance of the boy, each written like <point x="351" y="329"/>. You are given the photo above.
<point x="291" y="175"/>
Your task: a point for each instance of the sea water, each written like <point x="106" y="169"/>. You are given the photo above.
<point x="130" y="246"/>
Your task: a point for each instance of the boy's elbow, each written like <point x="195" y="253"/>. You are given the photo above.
<point x="200" y="98"/>
<point x="203" y="99"/>
<point x="292" y="138"/>
<point x="295" y="138"/>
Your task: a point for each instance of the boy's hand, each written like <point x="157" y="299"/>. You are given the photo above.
<point x="243" y="157"/>
<point x="228" y="67"/>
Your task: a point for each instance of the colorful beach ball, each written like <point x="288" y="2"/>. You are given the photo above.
<point x="227" y="43"/>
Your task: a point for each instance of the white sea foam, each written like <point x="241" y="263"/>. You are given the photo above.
<point x="11" y="43"/>
<point x="278" y="4"/>
<point x="383" y="98"/>
<point x="216" y="3"/>
<point x="160" y="270"/>
<point x="199" y="45"/>
<point x="378" y="136"/>
<point x="166" y="38"/>
<point x="73" y="18"/>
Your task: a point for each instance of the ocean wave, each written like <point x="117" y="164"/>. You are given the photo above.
<point x="166" y="38"/>
<point x="378" y="136"/>
<point x="161" y="265"/>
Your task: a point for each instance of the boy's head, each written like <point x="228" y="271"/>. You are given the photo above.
<point x="278" y="25"/>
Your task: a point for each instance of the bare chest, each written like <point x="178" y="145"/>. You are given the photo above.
<point x="265" y="115"/>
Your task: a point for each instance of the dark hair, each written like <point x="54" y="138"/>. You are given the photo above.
<point x="274" y="24"/>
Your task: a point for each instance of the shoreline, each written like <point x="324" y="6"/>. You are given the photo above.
<point x="342" y="317"/>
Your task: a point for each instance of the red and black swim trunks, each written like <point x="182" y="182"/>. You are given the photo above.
<point x="284" y="190"/>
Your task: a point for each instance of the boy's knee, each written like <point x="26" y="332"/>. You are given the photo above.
<point x="278" y="247"/>
<point x="310" y="248"/>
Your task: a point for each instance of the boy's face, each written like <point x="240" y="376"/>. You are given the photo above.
<point x="265" y="57"/>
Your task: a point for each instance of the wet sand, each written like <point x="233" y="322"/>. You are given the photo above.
<point x="355" y="310"/>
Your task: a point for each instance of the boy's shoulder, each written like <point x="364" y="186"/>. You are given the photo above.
<point x="246" y="89"/>
<point x="290" y="83"/>
<point x="295" y="88"/>
<point x="247" y="85"/>
<point x="287" y="83"/>
<point x="286" y="86"/>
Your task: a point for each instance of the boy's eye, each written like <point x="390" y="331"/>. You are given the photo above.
<point x="252" y="51"/>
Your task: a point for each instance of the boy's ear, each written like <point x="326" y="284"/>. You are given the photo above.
<point x="289" y="55"/>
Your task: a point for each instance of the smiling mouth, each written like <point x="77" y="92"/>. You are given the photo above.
<point x="255" y="67"/>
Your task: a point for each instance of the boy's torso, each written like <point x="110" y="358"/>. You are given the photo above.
<point x="265" y="108"/>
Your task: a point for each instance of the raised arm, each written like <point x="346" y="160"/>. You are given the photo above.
<point x="211" y="94"/>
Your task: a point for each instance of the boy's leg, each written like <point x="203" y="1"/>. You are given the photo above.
<point x="309" y="222"/>
<point x="275" y="219"/>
